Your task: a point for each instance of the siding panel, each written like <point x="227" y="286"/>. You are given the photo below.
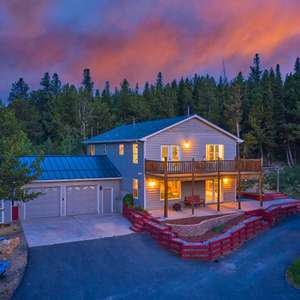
<point x="197" y="133"/>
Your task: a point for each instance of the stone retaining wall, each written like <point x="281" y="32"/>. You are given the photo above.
<point x="193" y="230"/>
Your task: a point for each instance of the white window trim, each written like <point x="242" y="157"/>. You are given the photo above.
<point x="220" y="146"/>
<point x="121" y="146"/>
<point x="170" y="152"/>
<point x="133" y="180"/>
<point x="135" y="161"/>
<point x="175" y="199"/>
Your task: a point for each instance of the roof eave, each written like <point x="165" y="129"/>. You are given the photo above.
<point x="75" y="179"/>
<point x="112" y="141"/>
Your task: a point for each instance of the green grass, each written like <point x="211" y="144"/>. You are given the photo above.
<point x="293" y="273"/>
<point x="218" y="229"/>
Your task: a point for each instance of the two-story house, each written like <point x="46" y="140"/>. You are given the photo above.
<point x="198" y="154"/>
<point x="160" y="162"/>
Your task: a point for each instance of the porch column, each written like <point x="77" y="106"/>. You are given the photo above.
<point x="166" y="187"/>
<point x="193" y="185"/>
<point x="218" y="170"/>
<point x="261" y="184"/>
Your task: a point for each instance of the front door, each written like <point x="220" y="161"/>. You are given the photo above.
<point x="211" y="191"/>
<point x="107" y="201"/>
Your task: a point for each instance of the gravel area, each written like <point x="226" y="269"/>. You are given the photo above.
<point x="18" y="259"/>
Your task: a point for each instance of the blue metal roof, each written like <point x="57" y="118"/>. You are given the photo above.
<point x="135" y="131"/>
<point x="64" y="167"/>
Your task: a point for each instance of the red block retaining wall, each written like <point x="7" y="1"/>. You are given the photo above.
<point x="215" y="247"/>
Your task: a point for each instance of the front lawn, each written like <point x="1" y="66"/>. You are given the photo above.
<point x="293" y="273"/>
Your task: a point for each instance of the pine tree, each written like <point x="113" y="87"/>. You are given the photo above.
<point x="87" y="82"/>
<point x="19" y="90"/>
<point x="55" y="84"/>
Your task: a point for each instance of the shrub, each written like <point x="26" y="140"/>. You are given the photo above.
<point x="140" y="208"/>
<point x="177" y="206"/>
<point x="128" y="200"/>
<point x="294" y="273"/>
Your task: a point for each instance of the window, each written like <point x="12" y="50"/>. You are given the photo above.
<point x="171" y="152"/>
<point x="121" y="149"/>
<point x="214" y="151"/>
<point x="135" y="188"/>
<point x="174" y="190"/>
<point x="135" y="153"/>
<point x="92" y="150"/>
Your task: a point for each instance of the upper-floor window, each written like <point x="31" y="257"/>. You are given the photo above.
<point x="121" y="149"/>
<point x="214" y="151"/>
<point x="92" y="150"/>
<point x="135" y="188"/>
<point x="171" y="152"/>
<point x="135" y="153"/>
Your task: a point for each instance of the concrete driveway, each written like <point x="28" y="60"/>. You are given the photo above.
<point x="136" y="267"/>
<point x="49" y="231"/>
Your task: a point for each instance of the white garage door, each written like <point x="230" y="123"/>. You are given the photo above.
<point x="81" y="200"/>
<point x="46" y="205"/>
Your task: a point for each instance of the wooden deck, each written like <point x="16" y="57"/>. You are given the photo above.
<point x="244" y="166"/>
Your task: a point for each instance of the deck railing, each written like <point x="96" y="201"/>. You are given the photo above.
<point x="203" y="167"/>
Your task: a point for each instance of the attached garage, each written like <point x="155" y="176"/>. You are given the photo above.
<point x="74" y="185"/>
<point x="46" y="205"/>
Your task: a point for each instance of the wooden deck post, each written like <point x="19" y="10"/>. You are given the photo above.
<point x="166" y="187"/>
<point x="218" y="169"/>
<point x="193" y="185"/>
<point x="261" y="184"/>
<point x="238" y="178"/>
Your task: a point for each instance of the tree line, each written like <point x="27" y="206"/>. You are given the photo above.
<point x="262" y="107"/>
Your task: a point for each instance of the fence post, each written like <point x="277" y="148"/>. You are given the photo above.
<point x="193" y="185"/>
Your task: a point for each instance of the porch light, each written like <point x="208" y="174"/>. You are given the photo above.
<point x="186" y="145"/>
<point x="225" y="180"/>
<point x="152" y="183"/>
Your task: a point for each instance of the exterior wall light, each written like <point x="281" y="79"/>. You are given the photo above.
<point x="186" y="145"/>
<point x="225" y="180"/>
<point x="152" y="183"/>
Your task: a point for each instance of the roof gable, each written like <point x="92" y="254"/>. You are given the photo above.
<point x="69" y="167"/>
<point x="144" y="130"/>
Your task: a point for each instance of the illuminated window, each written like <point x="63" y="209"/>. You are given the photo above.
<point x="135" y="188"/>
<point x="135" y="153"/>
<point x="121" y="149"/>
<point x="92" y="150"/>
<point x="214" y="151"/>
<point x="171" y="152"/>
<point x="174" y="190"/>
<point x="211" y="191"/>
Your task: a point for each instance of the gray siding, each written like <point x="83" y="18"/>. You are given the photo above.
<point x="197" y="133"/>
<point x="153" y="194"/>
<point x="124" y="164"/>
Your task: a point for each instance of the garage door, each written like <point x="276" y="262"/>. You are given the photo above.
<point x="81" y="200"/>
<point x="46" y="205"/>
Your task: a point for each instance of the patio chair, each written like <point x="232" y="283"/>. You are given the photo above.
<point x="4" y="265"/>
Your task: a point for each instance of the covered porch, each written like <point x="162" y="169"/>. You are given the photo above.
<point x="218" y="178"/>
<point x="211" y="209"/>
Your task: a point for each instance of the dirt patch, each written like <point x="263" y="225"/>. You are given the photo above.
<point x="18" y="260"/>
<point x="192" y="220"/>
<point x="214" y="232"/>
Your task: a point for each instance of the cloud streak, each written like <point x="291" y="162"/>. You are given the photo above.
<point x="131" y="39"/>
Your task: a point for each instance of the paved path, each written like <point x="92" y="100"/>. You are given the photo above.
<point x="57" y="230"/>
<point x="135" y="267"/>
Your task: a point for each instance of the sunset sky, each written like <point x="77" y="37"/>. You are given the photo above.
<point x="138" y="38"/>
